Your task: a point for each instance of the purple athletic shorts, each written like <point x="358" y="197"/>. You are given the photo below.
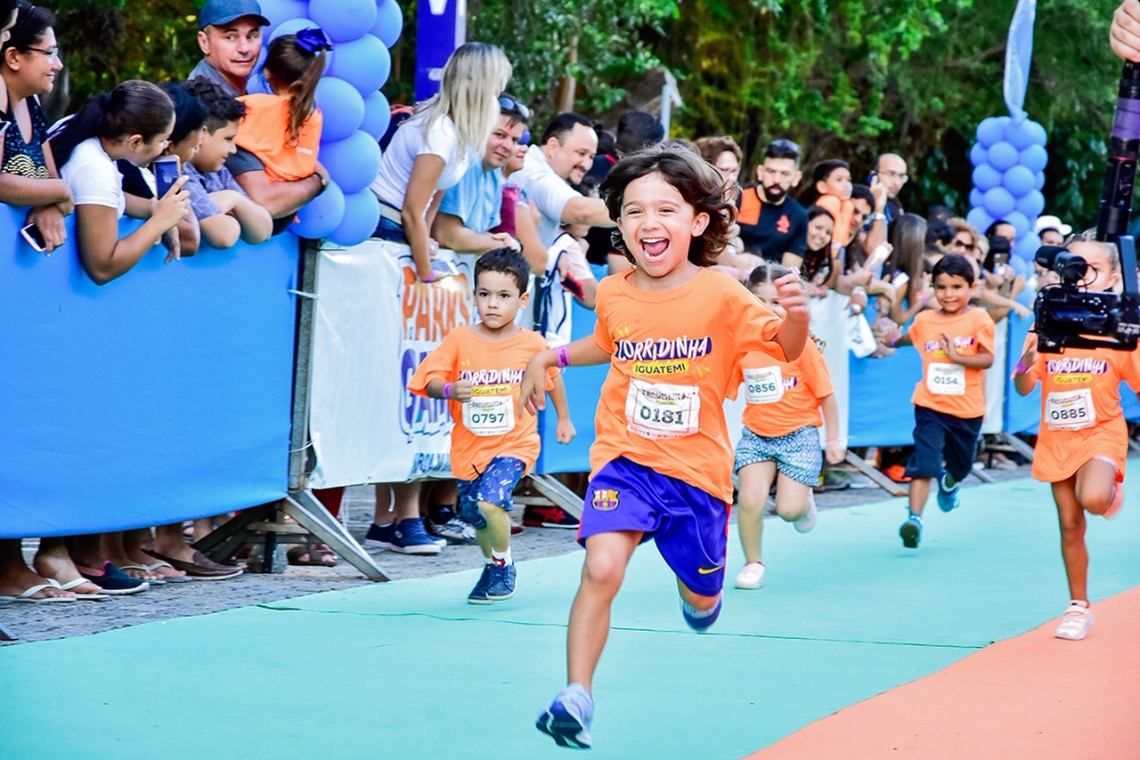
<point x="689" y="525"/>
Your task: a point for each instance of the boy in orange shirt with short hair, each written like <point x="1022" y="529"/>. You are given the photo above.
<point x="957" y="347"/>
<point x="478" y="369"/>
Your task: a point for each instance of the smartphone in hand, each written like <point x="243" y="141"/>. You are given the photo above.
<point x="35" y="239"/>
<point x="166" y="173"/>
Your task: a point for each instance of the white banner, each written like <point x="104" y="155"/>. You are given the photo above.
<point x="374" y="325"/>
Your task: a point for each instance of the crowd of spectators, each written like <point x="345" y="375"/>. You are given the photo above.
<point x="467" y="170"/>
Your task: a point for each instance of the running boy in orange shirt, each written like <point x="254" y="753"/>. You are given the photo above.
<point x="672" y="332"/>
<point x="479" y="369"/>
<point x="780" y="441"/>
<point x="956" y="342"/>
<point x="1083" y="440"/>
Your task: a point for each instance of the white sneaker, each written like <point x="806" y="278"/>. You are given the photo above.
<point x="1076" y="623"/>
<point x="752" y="576"/>
<point x="807" y="522"/>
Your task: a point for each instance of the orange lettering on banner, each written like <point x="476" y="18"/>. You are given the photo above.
<point x="431" y="311"/>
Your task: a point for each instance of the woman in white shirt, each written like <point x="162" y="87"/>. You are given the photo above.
<point x="432" y="150"/>
<point x="132" y="122"/>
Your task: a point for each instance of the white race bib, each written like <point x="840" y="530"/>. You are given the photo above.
<point x="1070" y="410"/>
<point x="765" y="385"/>
<point x="946" y="379"/>
<point x="660" y="410"/>
<point x="489" y="415"/>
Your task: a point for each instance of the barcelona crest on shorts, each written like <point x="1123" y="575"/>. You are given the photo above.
<point x="605" y="499"/>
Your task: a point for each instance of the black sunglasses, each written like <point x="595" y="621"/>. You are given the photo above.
<point x="509" y="105"/>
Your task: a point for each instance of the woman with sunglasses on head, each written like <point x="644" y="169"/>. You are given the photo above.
<point x="431" y="151"/>
<point x="28" y="173"/>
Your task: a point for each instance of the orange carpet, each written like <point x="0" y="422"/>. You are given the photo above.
<point x="1033" y="697"/>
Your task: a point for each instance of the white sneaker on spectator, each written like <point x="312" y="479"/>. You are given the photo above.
<point x="751" y="577"/>
<point x="1076" y="622"/>
<point x="807" y="522"/>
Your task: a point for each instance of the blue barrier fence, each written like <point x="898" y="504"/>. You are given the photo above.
<point x="163" y="395"/>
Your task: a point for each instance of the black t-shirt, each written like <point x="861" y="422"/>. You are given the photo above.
<point x="771" y="231"/>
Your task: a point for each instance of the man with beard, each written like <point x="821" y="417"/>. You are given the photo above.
<point x="772" y="224"/>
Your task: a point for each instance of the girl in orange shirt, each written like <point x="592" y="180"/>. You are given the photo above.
<point x="781" y="434"/>
<point x="1083" y="441"/>
<point x="672" y="332"/>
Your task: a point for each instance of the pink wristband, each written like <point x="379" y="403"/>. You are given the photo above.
<point x="1021" y="368"/>
<point x="563" y="355"/>
<point x="430" y="278"/>
<point x="832" y="440"/>
<point x="447" y="390"/>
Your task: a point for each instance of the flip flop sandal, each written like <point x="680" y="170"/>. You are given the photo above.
<point x="153" y="580"/>
<point x="70" y="585"/>
<point x="310" y="551"/>
<point x="167" y="578"/>
<point x="26" y="595"/>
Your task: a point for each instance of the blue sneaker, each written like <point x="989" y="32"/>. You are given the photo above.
<point x="567" y="718"/>
<point x="911" y="531"/>
<point x="478" y="594"/>
<point x="947" y="497"/>
<point x="700" y="620"/>
<point x="406" y="537"/>
<point x="502" y="583"/>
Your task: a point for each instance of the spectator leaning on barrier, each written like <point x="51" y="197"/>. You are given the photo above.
<point x="28" y="173"/>
<point x="133" y="121"/>
<point x="224" y="211"/>
<point x="773" y="225"/>
<point x="1051" y="230"/>
<point x="472" y="207"/>
<point x="229" y="34"/>
<point x="890" y="168"/>
<point x="431" y="151"/>
<point x="832" y="180"/>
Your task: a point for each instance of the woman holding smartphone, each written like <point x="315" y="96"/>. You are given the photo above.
<point x="28" y="175"/>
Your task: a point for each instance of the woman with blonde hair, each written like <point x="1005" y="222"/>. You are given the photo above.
<point x="432" y="150"/>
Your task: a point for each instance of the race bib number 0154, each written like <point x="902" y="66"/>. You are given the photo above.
<point x="489" y="415"/>
<point x="1070" y="410"/>
<point x="946" y="379"/>
<point x="660" y="410"/>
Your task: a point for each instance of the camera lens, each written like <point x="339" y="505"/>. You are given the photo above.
<point x="1070" y="266"/>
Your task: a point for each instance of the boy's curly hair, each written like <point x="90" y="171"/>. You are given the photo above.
<point x="699" y="183"/>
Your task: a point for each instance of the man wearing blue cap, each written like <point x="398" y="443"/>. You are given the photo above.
<point x="230" y="37"/>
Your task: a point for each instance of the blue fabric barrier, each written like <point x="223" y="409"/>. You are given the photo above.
<point x="880" y="413"/>
<point x="1022" y="413"/>
<point x="161" y="396"/>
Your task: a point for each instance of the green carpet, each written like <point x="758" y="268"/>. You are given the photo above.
<point x="408" y="670"/>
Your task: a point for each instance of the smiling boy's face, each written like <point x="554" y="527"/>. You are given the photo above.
<point x="658" y="224"/>
<point x="215" y="148"/>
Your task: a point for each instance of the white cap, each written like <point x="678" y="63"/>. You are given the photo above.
<point x="1050" y="223"/>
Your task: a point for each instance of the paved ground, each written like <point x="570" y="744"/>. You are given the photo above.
<point x="52" y="621"/>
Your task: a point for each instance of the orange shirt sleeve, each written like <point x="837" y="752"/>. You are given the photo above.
<point x="437" y="365"/>
<point x="756" y="327"/>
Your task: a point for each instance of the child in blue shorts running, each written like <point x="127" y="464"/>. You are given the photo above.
<point x="672" y="331"/>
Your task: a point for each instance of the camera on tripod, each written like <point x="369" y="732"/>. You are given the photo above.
<point x="1068" y="315"/>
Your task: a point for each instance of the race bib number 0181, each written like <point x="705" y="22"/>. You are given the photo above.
<point x="660" y="410"/>
<point x="946" y="379"/>
<point x="1070" y="410"/>
<point x="764" y="385"/>
<point x="489" y="415"/>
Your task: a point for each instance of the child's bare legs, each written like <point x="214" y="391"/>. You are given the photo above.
<point x="695" y="600"/>
<point x="607" y="555"/>
<point x="752" y="499"/>
<point x="792" y="498"/>
<point x="919" y="493"/>
<point x="497" y="535"/>
<point x="1095" y="483"/>
<point x="1075" y="554"/>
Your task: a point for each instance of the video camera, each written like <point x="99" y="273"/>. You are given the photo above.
<point x="1067" y="315"/>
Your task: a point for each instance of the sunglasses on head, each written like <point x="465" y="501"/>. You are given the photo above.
<point x="507" y="104"/>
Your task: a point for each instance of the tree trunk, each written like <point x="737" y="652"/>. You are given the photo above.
<point x="567" y="85"/>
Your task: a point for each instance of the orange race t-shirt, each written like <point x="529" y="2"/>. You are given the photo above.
<point x="782" y="397"/>
<point x="841" y="211"/>
<point x="945" y="386"/>
<point x="488" y="425"/>
<point x="674" y="356"/>
<point x="264" y="132"/>
<point x="1080" y="409"/>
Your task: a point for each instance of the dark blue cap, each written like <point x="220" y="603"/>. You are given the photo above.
<point x="219" y="12"/>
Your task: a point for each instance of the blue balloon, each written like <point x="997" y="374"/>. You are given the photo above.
<point x="320" y="216"/>
<point x="1031" y="204"/>
<point x="377" y="114"/>
<point x="1018" y="181"/>
<point x="978" y="154"/>
<point x="292" y="26"/>
<point x="1040" y="136"/>
<point x="353" y="162"/>
<point x="361" y="215"/>
<point x="998" y="202"/>
<point x="364" y="63"/>
<point x="344" y="20"/>
<point x="1034" y="158"/>
<point x="342" y="107"/>
<point x="1002" y="155"/>
<point x="1026" y="247"/>
<point x="1020" y="223"/>
<point x="992" y="130"/>
<point x="280" y="11"/>
<point x="1039" y="180"/>
<point x="1020" y="265"/>
<point x="977" y="198"/>
<point x="389" y="22"/>
<point x="979" y="218"/>
<point x="986" y="177"/>
<point x="1020" y="134"/>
